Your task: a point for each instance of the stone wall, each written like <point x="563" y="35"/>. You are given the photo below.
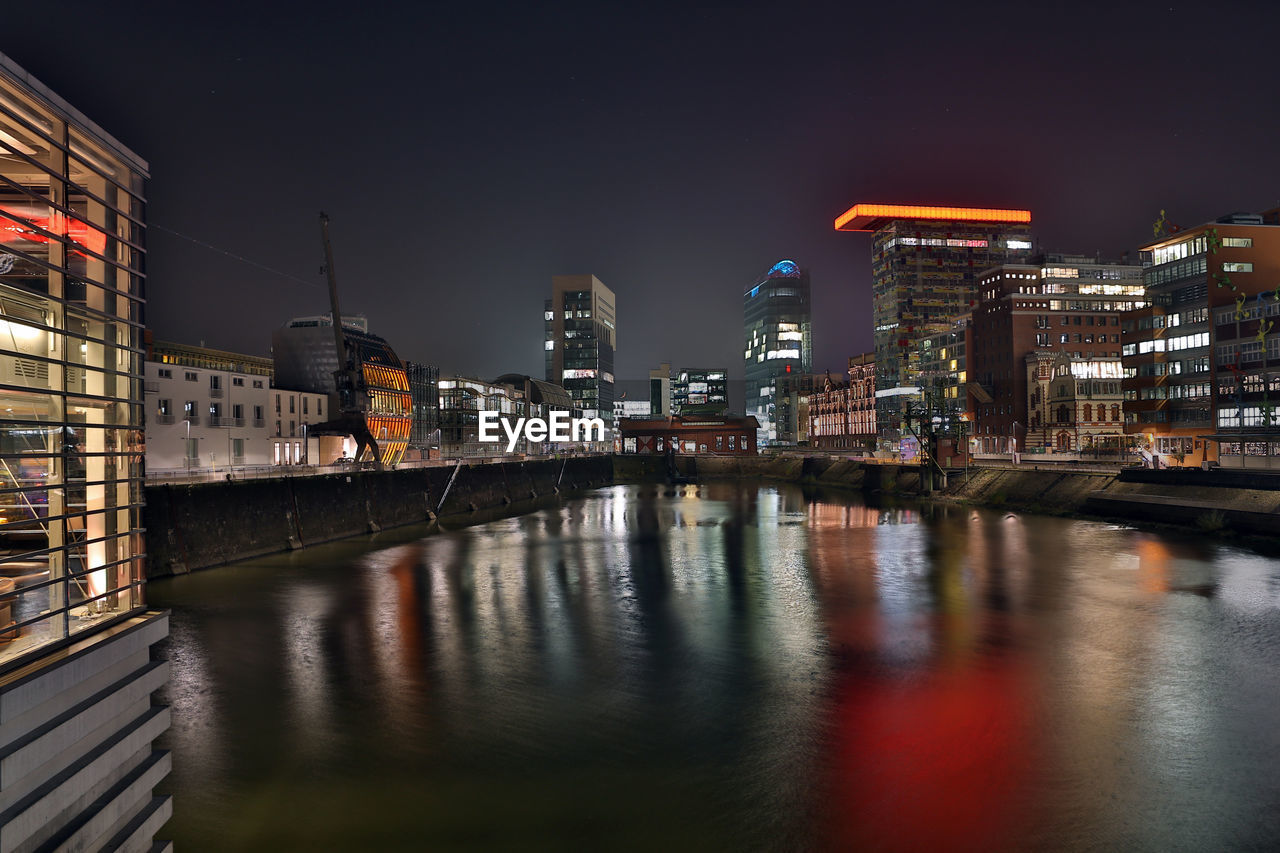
<point x="1209" y="502"/>
<point x="194" y="526"/>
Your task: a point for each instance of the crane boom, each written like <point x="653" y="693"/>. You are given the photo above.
<point x="338" y="339"/>
<point x="348" y="379"/>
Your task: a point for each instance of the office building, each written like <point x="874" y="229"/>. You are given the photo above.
<point x="791" y="407"/>
<point x="461" y="400"/>
<point x="660" y="390"/>
<point x="580" y="337"/>
<point x="513" y="396"/>
<point x="305" y="358"/>
<point x="424" y="394"/>
<point x="76" y="670"/>
<point x="943" y="361"/>
<point x="703" y="391"/>
<point x="778" y="340"/>
<point x="1055" y="304"/>
<point x="925" y="261"/>
<point x="1201" y="361"/>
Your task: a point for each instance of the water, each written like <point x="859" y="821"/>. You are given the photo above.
<point x="729" y="667"/>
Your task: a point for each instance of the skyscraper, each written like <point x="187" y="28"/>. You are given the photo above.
<point x="778" y="338"/>
<point x="925" y="262"/>
<point x="580" y="326"/>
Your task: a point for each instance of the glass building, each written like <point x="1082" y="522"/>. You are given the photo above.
<point x="424" y="392"/>
<point x="72" y="249"/>
<point x="305" y="359"/>
<point x="779" y="340"/>
<point x="579" y="341"/>
<point x="698" y="391"/>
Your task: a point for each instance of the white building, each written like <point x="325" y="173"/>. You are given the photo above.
<point x="206" y="408"/>
<point x="292" y="413"/>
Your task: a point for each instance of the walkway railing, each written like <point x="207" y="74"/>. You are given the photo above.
<point x="268" y="472"/>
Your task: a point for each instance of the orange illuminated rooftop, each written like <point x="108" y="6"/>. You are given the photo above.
<point x="870" y="217"/>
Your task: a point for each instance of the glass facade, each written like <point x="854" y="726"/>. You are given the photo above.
<point x="924" y="279"/>
<point x="71" y="312"/>
<point x="425" y="394"/>
<point x="778" y="333"/>
<point x="697" y="391"/>
<point x="579" y="342"/>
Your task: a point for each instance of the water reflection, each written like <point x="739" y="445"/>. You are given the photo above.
<point x="726" y="666"/>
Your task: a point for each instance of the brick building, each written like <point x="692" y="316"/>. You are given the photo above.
<point x="693" y="434"/>
<point x="1055" y="304"/>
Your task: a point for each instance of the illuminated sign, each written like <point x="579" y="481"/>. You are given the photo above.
<point x="864" y="217"/>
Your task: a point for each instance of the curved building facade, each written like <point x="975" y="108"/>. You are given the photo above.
<point x="305" y="360"/>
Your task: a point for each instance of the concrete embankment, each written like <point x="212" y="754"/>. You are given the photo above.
<point x="194" y="526"/>
<point x="1204" y="501"/>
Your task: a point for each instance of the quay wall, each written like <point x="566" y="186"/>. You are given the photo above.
<point x="1204" y="501"/>
<point x="195" y="526"/>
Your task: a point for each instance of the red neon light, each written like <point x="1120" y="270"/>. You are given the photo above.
<point x="861" y="216"/>
<point x="13" y="231"/>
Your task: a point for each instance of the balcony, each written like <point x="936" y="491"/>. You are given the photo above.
<point x="192" y="419"/>
<point x="165" y="419"/>
<point x="216" y="421"/>
<point x="215" y="393"/>
<point x="237" y="422"/>
<point x="259" y="423"/>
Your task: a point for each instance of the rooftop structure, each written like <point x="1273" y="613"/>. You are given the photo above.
<point x="925" y="259"/>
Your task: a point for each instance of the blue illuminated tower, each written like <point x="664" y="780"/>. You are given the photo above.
<point x="777" y="329"/>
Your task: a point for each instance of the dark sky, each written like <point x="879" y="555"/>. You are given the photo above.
<point x="467" y="152"/>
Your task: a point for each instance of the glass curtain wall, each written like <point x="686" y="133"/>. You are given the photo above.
<point x="71" y="441"/>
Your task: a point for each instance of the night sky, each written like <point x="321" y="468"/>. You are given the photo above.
<point x="466" y="153"/>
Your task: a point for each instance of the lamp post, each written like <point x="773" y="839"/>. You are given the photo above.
<point x="186" y="448"/>
<point x="1013" y="443"/>
<point x="305" y="448"/>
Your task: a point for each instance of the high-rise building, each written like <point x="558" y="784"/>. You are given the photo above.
<point x="778" y="334"/>
<point x="696" y="390"/>
<point x="76" y="666"/>
<point x="580" y="338"/>
<point x="1054" y="303"/>
<point x="660" y="390"/>
<point x="1201" y="360"/>
<point x="925" y="262"/>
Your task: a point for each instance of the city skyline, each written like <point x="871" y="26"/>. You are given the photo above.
<point x="673" y="174"/>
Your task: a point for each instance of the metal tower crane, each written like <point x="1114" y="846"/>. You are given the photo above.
<point x="353" y="395"/>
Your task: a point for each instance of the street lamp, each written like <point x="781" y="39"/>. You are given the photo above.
<point x="186" y="448"/>
<point x="1013" y="446"/>
<point x="305" y="448"/>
